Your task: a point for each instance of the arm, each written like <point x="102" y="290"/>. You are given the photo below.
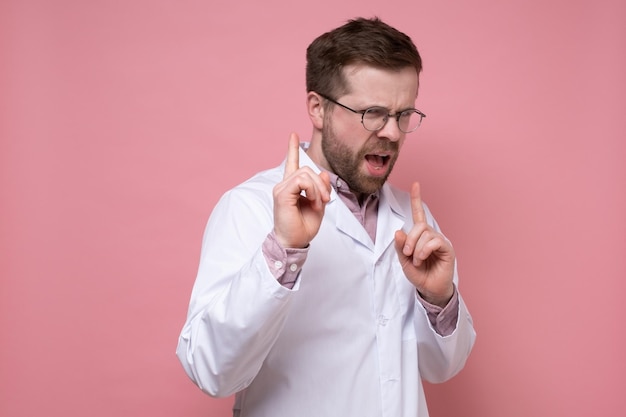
<point x="443" y="354"/>
<point x="428" y="260"/>
<point x="238" y="308"/>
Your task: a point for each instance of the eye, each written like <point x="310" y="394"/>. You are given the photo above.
<point x="376" y="113"/>
<point x="407" y="114"/>
<point x="409" y="120"/>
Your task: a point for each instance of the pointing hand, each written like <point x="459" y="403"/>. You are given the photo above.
<point x="426" y="256"/>
<point x="299" y="200"/>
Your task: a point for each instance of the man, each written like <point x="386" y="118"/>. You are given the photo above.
<point x="322" y="290"/>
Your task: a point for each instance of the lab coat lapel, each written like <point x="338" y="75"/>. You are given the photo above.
<point x="347" y="223"/>
<point x="390" y="218"/>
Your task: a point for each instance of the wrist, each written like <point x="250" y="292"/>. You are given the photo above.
<point x="439" y="300"/>
<point x="285" y="244"/>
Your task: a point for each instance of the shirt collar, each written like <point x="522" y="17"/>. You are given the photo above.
<point x="343" y="189"/>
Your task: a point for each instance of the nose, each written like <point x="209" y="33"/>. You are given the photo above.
<point x="390" y="131"/>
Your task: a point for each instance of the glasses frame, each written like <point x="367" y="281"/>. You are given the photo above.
<point x="386" y="118"/>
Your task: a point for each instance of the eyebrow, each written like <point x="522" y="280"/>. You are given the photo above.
<point x="362" y="111"/>
<point x="389" y="111"/>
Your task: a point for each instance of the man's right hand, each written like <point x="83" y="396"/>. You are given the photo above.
<point x="297" y="215"/>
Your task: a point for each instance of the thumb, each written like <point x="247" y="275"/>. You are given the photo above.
<point x="399" y="241"/>
<point x="326" y="180"/>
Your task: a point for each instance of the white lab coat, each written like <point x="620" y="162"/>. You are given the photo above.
<point x="350" y="339"/>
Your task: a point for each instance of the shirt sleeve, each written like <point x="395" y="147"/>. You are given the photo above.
<point x="284" y="263"/>
<point x="442" y="319"/>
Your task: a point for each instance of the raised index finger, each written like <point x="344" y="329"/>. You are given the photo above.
<point x="417" y="209"/>
<point x="293" y="155"/>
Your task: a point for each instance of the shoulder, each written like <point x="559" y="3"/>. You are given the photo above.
<point x="261" y="183"/>
<point x="255" y="193"/>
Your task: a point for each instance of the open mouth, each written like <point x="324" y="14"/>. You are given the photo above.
<point x="377" y="162"/>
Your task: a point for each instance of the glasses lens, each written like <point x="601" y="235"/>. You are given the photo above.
<point x="374" y="118"/>
<point x="409" y="121"/>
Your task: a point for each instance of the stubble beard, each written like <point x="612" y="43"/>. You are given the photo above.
<point x="347" y="164"/>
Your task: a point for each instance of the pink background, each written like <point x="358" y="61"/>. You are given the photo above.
<point x="122" y="122"/>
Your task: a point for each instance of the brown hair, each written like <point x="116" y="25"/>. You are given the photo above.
<point x="367" y="41"/>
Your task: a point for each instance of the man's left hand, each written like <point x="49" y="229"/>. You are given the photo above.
<point x="426" y="256"/>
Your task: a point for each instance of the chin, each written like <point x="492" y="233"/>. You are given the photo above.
<point x="370" y="185"/>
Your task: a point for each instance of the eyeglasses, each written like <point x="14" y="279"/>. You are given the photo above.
<point x="375" y="118"/>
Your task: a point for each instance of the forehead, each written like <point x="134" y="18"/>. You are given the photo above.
<point x="391" y="87"/>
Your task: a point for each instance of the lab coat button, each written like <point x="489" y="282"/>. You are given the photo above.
<point x="382" y="320"/>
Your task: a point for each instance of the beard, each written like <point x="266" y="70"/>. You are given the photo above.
<point x="348" y="164"/>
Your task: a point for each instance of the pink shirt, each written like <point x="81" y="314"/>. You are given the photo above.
<point x="286" y="263"/>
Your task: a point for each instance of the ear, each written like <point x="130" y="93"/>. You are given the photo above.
<point x="315" y="107"/>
